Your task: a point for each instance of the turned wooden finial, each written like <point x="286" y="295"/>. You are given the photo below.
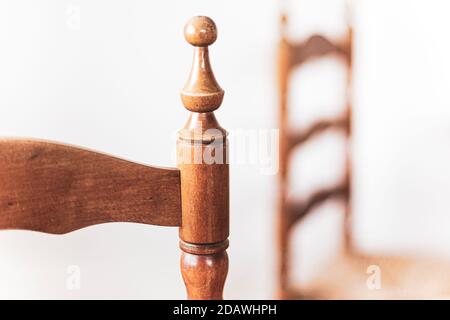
<point x="202" y="150"/>
<point x="201" y="93"/>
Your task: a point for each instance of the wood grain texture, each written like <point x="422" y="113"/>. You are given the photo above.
<point x="204" y="275"/>
<point x="204" y="185"/>
<point x="57" y="188"/>
<point x="203" y="163"/>
<point x="201" y="92"/>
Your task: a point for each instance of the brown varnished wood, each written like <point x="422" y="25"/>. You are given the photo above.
<point x="300" y="137"/>
<point x="347" y="227"/>
<point x="204" y="220"/>
<point x="314" y="47"/>
<point x="204" y="275"/>
<point x="56" y="188"/>
<point x="202" y="160"/>
<point x="283" y="70"/>
<point x="292" y="55"/>
<point x="345" y="276"/>
<point x="297" y="210"/>
<point x="201" y="92"/>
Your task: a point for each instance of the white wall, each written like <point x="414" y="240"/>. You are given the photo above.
<point x="111" y="83"/>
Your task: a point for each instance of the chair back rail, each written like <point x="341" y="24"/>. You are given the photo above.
<point x="316" y="46"/>
<point x="56" y="188"/>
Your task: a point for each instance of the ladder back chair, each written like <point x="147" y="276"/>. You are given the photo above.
<point x="346" y="276"/>
<point x="56" y="188"/>
<point x="291" y="56"/>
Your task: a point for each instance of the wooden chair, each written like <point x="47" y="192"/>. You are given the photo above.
<point x="345" y="276"/>
<point x="56" y="188"/>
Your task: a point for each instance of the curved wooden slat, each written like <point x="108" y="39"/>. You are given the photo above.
<point x="316" y="46"/>
<point x="316" y="128"/>
<point x="298" y="210"/>
<point x="57" y="188"/>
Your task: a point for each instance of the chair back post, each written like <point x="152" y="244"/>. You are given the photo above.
<point x="283" y="70"/>
<point x="348" y="240"/>
<point x="202" y="160"/>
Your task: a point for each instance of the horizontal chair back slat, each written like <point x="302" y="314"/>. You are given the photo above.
<point x="317" y="46"/>
<point x="57" y="188"/>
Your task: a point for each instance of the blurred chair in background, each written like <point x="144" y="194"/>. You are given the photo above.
<point x="351" y="275"/>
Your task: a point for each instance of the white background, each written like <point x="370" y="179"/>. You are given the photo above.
<point x="111" y="83"/>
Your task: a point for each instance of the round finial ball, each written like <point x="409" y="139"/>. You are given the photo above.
<point x="200" y="31"/>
